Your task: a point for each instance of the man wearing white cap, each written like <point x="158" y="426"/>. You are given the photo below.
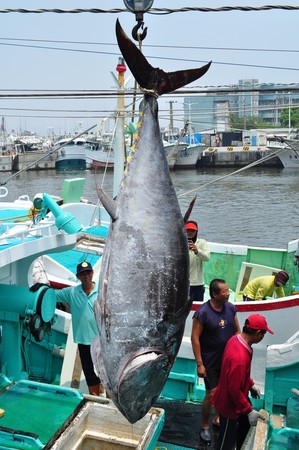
<point x="231" y="395"/>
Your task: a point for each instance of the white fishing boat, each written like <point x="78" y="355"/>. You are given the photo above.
<point x="287" y="151"/>
<point x="188" y="156"/>
<point x="172" y="150"/>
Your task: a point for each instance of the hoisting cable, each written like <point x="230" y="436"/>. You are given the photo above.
<point x="249" y="166"/>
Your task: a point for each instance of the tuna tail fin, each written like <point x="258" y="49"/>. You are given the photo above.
<point x="149" y="77"/>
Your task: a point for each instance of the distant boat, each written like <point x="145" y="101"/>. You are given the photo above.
<point x="72" y="155"/>
<point x="289" y="154"/>
<point x="188" y="157"/>
<point x="184" y="151"/>
<point x="100" y="153"/>
<point x="172" y="150"/>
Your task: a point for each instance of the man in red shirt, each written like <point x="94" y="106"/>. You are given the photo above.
<point x="231" y="395"/>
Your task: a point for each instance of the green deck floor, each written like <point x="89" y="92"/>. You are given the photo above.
<point x="35" y="411"/>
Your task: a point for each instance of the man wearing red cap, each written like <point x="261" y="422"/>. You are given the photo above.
<point x="198" y="254"/>
<point x="231" y="395"/>
<point x="267" y="286"/>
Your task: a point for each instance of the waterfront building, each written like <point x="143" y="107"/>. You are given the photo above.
<point x="246" y="99"/>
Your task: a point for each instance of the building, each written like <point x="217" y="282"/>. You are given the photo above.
<point x="246" y="99"/>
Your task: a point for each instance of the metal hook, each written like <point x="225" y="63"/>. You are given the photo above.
<point x="137" y="36"/>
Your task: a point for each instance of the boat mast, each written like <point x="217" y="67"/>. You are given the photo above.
<point x="119" y="148"/>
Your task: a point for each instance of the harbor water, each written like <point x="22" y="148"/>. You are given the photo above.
<point x="258" y="206"/>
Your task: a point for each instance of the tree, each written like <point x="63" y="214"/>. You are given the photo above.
<point x="284" y="117"/>
<point x="249" y="122"/>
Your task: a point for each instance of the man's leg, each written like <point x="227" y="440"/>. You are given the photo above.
<point x="243" y="428"/>
<point x="227" y="434"/>
<point x="92" y="380"/>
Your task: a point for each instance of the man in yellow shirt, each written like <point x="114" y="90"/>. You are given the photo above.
<point x="267" y="286"/>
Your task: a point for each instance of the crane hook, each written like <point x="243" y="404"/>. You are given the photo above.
<point x="139" y="36"/>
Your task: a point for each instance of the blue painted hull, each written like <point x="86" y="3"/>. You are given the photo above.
<point x="71" y="164"/>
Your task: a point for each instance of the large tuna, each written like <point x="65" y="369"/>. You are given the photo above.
<point x="143" y="288"/>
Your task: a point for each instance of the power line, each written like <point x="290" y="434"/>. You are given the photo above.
<point x="152" y="10"/>
<point x="163" y="58"/>
<point x="182" y="47"/>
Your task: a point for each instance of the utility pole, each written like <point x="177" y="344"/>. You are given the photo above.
<point x="171" y="127"/>
<point x="289" y="114"/>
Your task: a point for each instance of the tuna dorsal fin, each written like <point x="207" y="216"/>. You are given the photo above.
<point x="108" y="203"/>
<point x="153" y="78"/>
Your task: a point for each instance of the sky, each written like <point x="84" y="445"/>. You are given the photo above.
<point x="52" y="51"/>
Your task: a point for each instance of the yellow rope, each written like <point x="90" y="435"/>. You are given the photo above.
<point x="14" y="217"/>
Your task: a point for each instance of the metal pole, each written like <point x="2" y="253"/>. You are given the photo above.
<point x="119" y="148"/>
<point x="289" y="114"/>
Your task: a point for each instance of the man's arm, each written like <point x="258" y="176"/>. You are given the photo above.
<point x="203" y="250"/>
<point x="197" y="329"/>
<point x="237" y="325"/>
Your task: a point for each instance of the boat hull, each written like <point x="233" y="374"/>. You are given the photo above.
<point x="188" y="156"/>
<point x="71" y="156"/>
<point x="70" y="164"/>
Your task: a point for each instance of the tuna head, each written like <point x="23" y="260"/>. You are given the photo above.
<point x="143" y="296"/>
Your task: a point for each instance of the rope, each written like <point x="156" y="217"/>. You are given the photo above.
<point x="249" y="166"/>
<point x="152" y="10"/>
<point x="45" y="156"/>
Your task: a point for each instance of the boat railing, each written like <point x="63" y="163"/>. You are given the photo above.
<point x="11" y="230"/>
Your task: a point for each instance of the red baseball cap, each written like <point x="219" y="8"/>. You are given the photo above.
<point x="257" y="322"/>
<point x="191" y="226"/>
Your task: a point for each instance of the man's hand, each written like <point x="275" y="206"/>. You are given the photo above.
<point x="201" y="370"/>
<point x="254" y="416"/>
<point x="255" y="392"/>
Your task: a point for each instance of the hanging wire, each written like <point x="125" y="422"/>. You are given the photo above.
<point x="152" y="10"/>
<point x="249" y="166"/>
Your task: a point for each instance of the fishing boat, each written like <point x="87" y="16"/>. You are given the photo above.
<point x="72" y="155"/>
<point x="280" y="427"/>
<point x="173" y="149"/>
<point x="45" y="405"/>
<point x="188" y="156"/>
<point x="287" y="151"/>
<point x="100" y="153"/>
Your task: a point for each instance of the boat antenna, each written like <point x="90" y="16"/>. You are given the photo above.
<point x="2" y="183"/>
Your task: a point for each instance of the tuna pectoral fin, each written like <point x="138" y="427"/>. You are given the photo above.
<point x="141" y="383"/>
<point x="108" y="203"/>
<point x="189" y="210"/>
<point x="153" y="78"/>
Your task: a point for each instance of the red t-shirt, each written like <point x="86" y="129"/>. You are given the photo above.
<point x="231" y="395"/>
